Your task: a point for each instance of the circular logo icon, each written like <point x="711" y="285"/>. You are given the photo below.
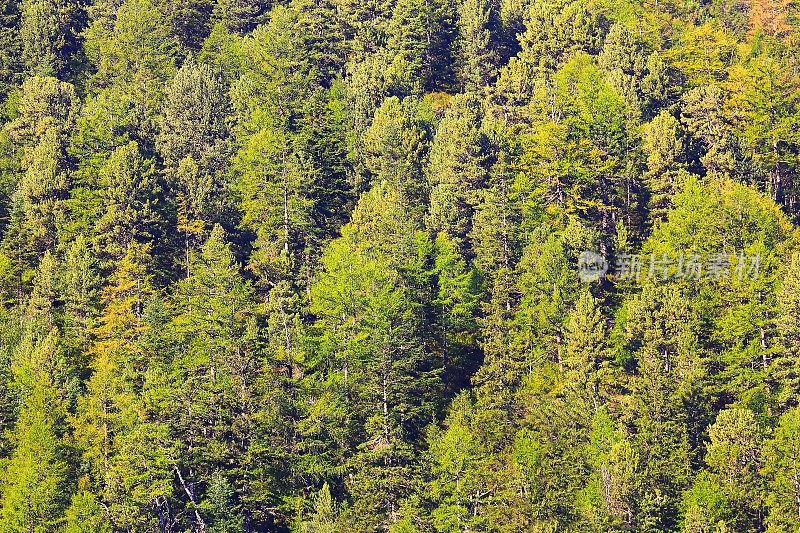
<point x="591" y="266"/>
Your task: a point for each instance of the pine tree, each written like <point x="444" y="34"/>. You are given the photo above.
<point x="783" y="367"/>
<point x="122" y="434"/>
<point x="457" y="305"/>
<point x="212" y="380"/>
<point x="41" y="311"/>
<point x="132" y="47"/>
<point x="322" y="32"/>
<point x="701" y="113"/>
<point x="394" y="148"/>
<point x="278" y="74"/>
<point x="456" y="171"/>
<point x="109" y="414"/>
<point x="80" y="287"/>
<point x="220" y="505"/>
<point x="322" y="137"/>
<point x="35" y="490"/>
<point x="496" y="229"/>
<point x="625" y="60"/>
<point x="735" y="456"/>
<point x="498" y="378"/>
<point x="50" y="34"/>
<point x="191" y="22"/>
<point x="85" y="515"/>
<point x="767" y="95"/>
<point x="554" y="30"/>
<point x="193" y="122"/>
<point x="478" y="25"/>
<point x="36" y="474"/>
<point x="455" y="456"/>
<point x="129" y="195"/>
<point x="46" y="113"/>
<point x="194" y="143"/>
<point x="707" y="506"/>
<point x="704" y="53"/>
<point x="273" y="182"/>
<point x="421" y="35"/>
<point x="11" y="66"/>
<point x="375" y="387"/>
<point x="781" y="467"/>
<point x="241" y="16"/>
<point x="668" y="372"/>
<point x="549" y="451"/>
<point x="585" y="354"/>
<point x="664" y="147"/>
<point x="105" y="123"/>
<point x="324" y="517"/>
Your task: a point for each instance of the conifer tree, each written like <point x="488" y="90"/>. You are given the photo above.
<point x="85" y="514"/>
<point x="35" y="490"/>
<point x="554" y="30"/>
<point x="133" y="50"/>
<point x="456" y="171"/>
<point x="324" y="513"/>
<point x="770" y="17"/>
<point x="782" y="369"/>
<point x="241" y="16"/>
<point x="457" y="304"/>
<point x="781" y="455"/>
<point x="377" y="381"/>
<point x="735" y="456"/>
<point x="109" y="403"/>
<point x="219" y="364"/>
<point x="455" y="457"/>
<point x="422" y="35"/>
<point x="665" y="333"/>
<point x="11" y="66"/>
<point x="394" y="147"/>
<point x="46" y="113"/>
<point x="276" y="205"/>
<point x="50" y="34"/>
<point x="496" y="230"/>
<point x="768" y="96"/>
<point x="194" y="144"/>
<point x="663" y="145"/>
<point x="110" y="424"/>
<point x="191" y="22"/>
<point x="316" y="265"/>
<point x="478" y="26"/>
<point x="585" y="349"/>
<point x="711" y="129"/>
<point x="130" y="200"/>
<point x="80" y="287"/>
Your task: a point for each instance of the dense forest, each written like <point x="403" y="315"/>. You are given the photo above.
<point x="402" y="265"/>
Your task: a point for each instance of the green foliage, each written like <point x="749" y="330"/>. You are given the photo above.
<point x="734" y="456"/>
<point x="780" y="464"/>
<point x="194" y="145"/>
<point x="50" y="35"/>
<point x="456" y="170"/>
<point x="35" y="483"/>
<point x="421" y="37"/>
<point x="85" y="515"/>
<point x="132" y="49"/>
<point x="318" y="265"/>
<point x="129" y="195"/>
